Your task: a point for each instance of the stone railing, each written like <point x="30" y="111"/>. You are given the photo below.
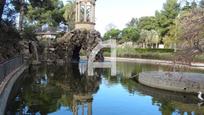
<point x="8" y="66"/>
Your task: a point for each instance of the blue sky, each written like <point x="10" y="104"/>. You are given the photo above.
<point x="119" y="12"/>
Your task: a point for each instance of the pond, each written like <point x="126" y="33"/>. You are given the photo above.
<point x="67" y="90"/>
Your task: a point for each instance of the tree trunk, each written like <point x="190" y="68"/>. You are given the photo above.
<point x="20" y="28"/>
<point x="2" y="4"/>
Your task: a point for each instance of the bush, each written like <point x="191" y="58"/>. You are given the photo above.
<point x="154" y="50"/>
<point x="199" y="58"/>
<point x="162" y="54"/>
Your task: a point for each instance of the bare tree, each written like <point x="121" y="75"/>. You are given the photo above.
<point x="192" y="35"/>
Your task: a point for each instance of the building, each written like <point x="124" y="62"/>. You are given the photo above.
<point x="85" y="14"/>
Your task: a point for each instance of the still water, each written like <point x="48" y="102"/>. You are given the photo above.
<point x="67" y="90"/>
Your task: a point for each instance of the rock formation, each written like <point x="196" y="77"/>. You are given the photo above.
<point x="68" y="47"/>
<point x="9" y="42"/>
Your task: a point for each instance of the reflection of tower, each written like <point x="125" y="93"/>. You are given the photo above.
<point x="82" y="67"/>
<point x="85" y="14"/>
<point x="82" y="100"/>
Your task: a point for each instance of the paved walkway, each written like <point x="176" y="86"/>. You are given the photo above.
<point x="10" y="76"/>
<point x="7" y="85"/>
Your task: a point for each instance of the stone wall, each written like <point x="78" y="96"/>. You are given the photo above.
<point x="7" y="85"/>
<point x="173" y="81"/>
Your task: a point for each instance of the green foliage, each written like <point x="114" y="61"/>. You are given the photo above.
<point x="130" y="34"/>
<point x="112" y="34"/>
<point x="142" y="50"/>
<point x="29" y="33"/>
<point x="69" y="14"/>
<point x="166" y="17"/>
<point x="173" y="34"/>
<point x="149" y="38"/>
<point x="128" y="52"/>
<point x="147" y="23"/>
<point x="45" y="12"/>
<point x="199" y="58"/>
<point x="133" y="23"/>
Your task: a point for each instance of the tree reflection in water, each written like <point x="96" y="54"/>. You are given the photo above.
<point x="47" y="88"/>
<point x="169" y="103"/>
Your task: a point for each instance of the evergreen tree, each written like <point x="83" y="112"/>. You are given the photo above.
<point x="133" y="23"/>
<point x="166" y="17"/>
<point x="45" y="12"/>
<point x="147" y="23"/>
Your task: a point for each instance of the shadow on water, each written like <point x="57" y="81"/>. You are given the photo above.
<point x="49" y="88"/>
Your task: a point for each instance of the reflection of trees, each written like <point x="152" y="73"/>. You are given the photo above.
<point x="168" y="102"/>
<point x="69" y="88"/>
<point x="64" y="83"/>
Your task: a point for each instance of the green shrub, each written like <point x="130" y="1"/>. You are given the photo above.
<point x="154" y="50"/>
<point x="199" y="58"/>
<point x="163" y="54"/>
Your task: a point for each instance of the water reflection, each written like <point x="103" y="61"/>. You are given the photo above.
<point x="54" y="89"/>
<point x="50" y="87"/>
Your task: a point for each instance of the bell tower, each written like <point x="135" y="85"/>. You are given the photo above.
<point x="85" y="14"/>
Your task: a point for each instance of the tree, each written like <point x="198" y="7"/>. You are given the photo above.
<point x="149" y="38"/>
<point x="201" y="4"/>
<point x="171" y="39"/>
<point x="112" y="34"/>
<point x="147" y="23"/>
<point x="132" y="23"/>
<point x="2" y="4"/>
<point x="194" y="4"/>
<point x="155" y="38"/>
<point x="192" y="28"/>
<point x="110" y="26"/>
<point x="143" y="38"/>
<point x="20" y="6"/>
<point x="187" y="6"/>
<point x="166" y="17"/>
<point x="8" y="13"/>
<point x="192" y="34"/>
<point x="69" y="14"/>
<point x="130" y="34"/>
<point x="45" y="12"/>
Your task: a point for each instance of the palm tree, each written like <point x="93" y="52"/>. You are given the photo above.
<point x="69" y="14"/>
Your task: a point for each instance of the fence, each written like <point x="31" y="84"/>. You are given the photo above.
<point x="8" y="66"/>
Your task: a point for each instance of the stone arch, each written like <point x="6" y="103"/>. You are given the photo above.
<point x="71" y="43"/>
<point x="93" y="56"/>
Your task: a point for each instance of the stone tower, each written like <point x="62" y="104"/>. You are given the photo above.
<point x="85" y="14"/>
